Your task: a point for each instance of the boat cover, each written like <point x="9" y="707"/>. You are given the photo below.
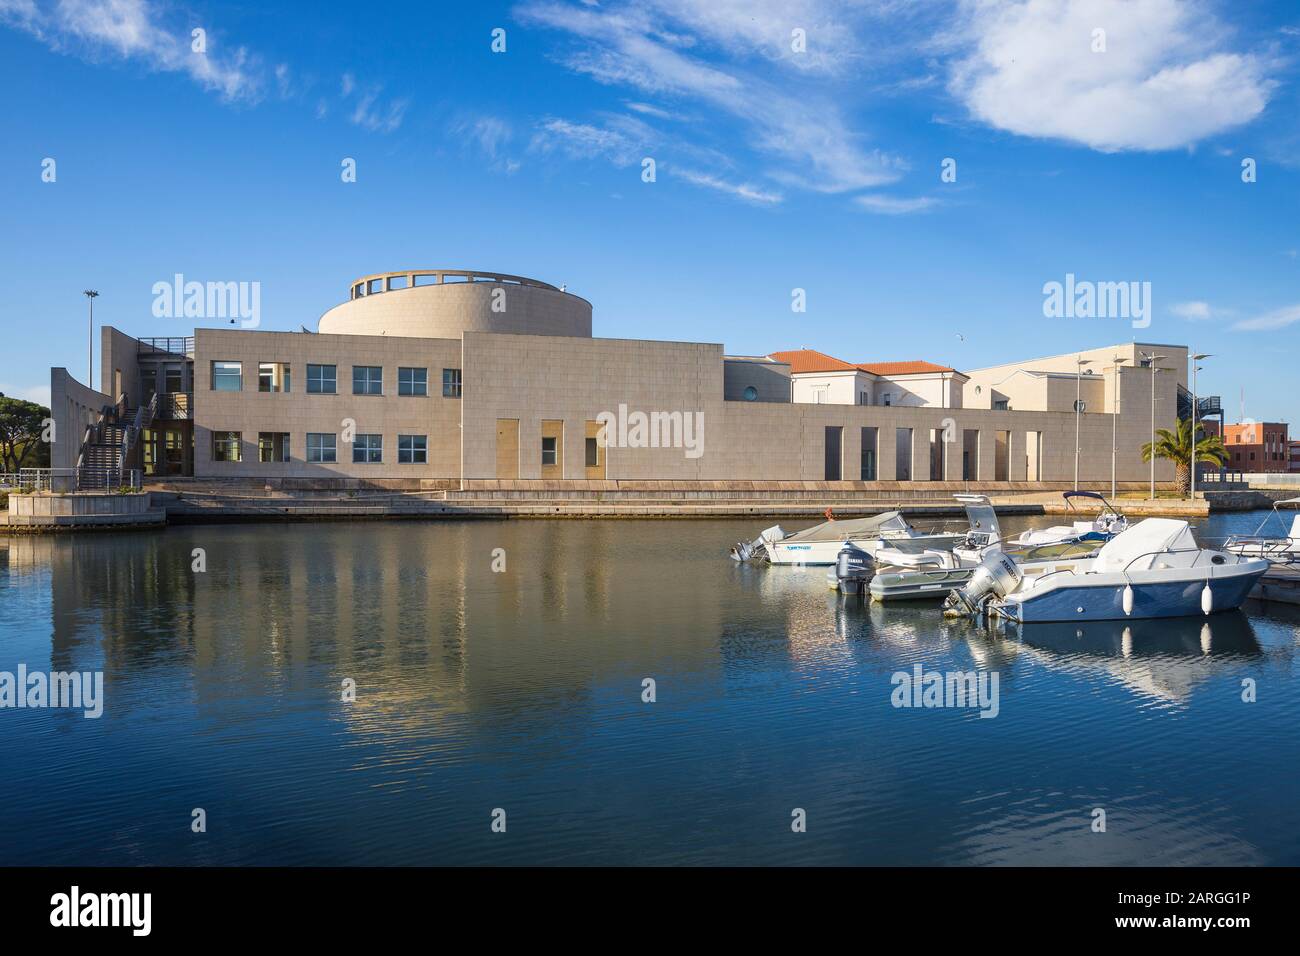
<point x="1145" y="538"/>
<point x="852" y="528"/>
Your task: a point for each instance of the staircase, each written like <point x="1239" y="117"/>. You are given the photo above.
<point x="110" y="447"/>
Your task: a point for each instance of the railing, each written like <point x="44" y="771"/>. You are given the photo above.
<point x="106" y="479"/>
<point x="40" y="479"/>
<point x="174" y="406"/>
<point x="175" y="345"/>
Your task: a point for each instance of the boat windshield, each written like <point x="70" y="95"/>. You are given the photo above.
<point x="854" y="528"/>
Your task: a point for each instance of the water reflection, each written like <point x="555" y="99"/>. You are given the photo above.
<point x="478" y="689"/>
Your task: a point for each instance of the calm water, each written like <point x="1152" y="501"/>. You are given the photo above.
<point x="522" y="691"/>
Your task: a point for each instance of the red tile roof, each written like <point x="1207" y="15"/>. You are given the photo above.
<point x="810" y="360"/>
<point x="904" y="368"/>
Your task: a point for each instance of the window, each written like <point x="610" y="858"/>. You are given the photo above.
<point x="412" y="449"/>
<point x="225" y="446"/>
<point x="272" y="447"/>
<point x="887" y="398"/>
<point x="451" y="383"/>
<point x="1000" y="405"/>
<point x="322" y="380"/>
<point x="173" y="381"/>
<point x="367" y="449"/>
<point x="834" y="448"/>
<point x="227" y="376"/>
<point x="550" y="450"/>
<point x="367" y="380"/>
<point x="321" y="448"/>
<point x="272" y="377"/>
<point x="412" y="381"/>
<point x="593" y="453"/>
<point x="869" y="438"/>
<point x="751" y="393"/>
<point x="864" y="398"/>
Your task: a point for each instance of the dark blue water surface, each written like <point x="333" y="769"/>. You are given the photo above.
<point x="522" y="691"/>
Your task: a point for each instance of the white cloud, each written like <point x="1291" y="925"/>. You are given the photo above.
<point x="1269" y="321"/>
<point x="894" y="205"/>
<point x="378" y="117"/>
<point x="1193" y="311"/>
<point x="746" y="191"/>
<point x="800" y="130"/>
<point x="130" y="30"/>
<point x="1165" y="80"/>
<point x="587" y="141"/>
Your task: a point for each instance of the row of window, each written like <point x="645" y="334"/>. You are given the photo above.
<point x="322" y="448"/>
<point x="323" y="379"/>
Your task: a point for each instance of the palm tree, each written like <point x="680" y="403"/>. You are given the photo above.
<point x="1176" y="446"/>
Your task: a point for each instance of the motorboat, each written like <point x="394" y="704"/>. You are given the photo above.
<point x="1277" y="551"/>
<point x="1153" y="569"/>
<point x="933" y="573"/>
<point x="821" y="543"/>
<point x="1108" y="523"/>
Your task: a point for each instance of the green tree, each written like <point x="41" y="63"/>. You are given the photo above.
<point x="1176" y="446"/>
<point x="22" y="424"/>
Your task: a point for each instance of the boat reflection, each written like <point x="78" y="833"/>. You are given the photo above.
<point x="1165" y="658"/>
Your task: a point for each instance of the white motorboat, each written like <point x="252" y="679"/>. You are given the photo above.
<point x="933" y="573"/>
<point x="1105" y="526"/>
<point x="821" y="543"/>
<point x="1277" y="551"/>
<point x="1154" y="569"/>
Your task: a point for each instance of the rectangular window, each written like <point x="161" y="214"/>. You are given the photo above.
<point x="272" y="377"/>
<point x="367" y="380"/>
<point x="225" y="446"/>
<point x="227" y="376"/>
<point x="322" y="379"/>
<point x="887" y="398"/>
<point x="970" y="454"/>
<point x="903" y="454"/>
<point x="593" y="453"/>
<point x="272" y="447"/>
<point x="368" y="449"/>
<point x="550" y="451"/>
<point x="412" y="449"/>
<point x="412" y="381"/>
<point x="451" y="383"/>
<point x="173" y="381"/>
<point x="869" y="438"/>
<point x="834" y="442"/>
<point x="322" y="448"/>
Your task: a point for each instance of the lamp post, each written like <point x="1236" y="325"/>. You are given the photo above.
<point x="1116" y="361"/>
<point x="1151" y="359"/>
<point x="90" y="295"/>
<point x="1079" y="363"/>
<point x="1196" y="414"/>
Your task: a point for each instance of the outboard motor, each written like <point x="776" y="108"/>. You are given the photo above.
<point x="853" y="569"/>
<point x="756" y="550"/>
<point x="996" y="576"/>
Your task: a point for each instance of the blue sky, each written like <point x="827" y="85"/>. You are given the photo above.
<point x="776" y="169"/>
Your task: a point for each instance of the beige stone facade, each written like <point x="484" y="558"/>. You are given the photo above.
<point x="529" y="407"/>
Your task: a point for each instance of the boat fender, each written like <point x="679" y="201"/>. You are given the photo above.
<point x="1128" y="599"/>
<point x="1207" y="599"/>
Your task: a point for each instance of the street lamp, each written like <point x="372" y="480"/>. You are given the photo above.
<point x="1079" y="363"/>
<point x="90" y="295"/>
<point x="1196" y="415"/>
<point x="1117" y="361"/>
<point x="1151" y="358"/>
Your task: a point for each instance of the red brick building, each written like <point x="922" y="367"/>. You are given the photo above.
<point x="1255" y="446"/>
